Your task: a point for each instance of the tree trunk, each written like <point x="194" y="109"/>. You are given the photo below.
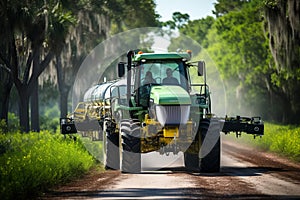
<point x="34" y="108"/>
<point x="63" y="88"/>
<point x="5" y="93"/>
<point x="24" y="109"/>
<point x="64" y="102"/>
<point x="34" y="93"/>
<point x="293" y="101"/>
<point x="5" y="104"/>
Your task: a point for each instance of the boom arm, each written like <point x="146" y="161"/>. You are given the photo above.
<point x="253" y="125"/>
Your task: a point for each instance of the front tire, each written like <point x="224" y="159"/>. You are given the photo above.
<point x="130" y="146"/>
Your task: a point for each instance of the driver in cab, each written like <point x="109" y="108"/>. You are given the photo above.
<point x="170" y="80"/>
<point x="148" y="78"/>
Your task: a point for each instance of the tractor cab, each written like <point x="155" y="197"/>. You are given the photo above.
<point x="151" y="73"/>
<point x="161" y="70"/>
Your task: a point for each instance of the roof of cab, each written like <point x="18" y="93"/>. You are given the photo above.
<point x="158" y="56"/>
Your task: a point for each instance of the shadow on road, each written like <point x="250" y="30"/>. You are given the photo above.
<point x="243" y="171"/>
<point x="162" y="193"/>
<point x="225" y="171"/>
<point x="248" y="171"/>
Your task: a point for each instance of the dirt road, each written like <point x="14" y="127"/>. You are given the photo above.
<point x="246" y="173"/>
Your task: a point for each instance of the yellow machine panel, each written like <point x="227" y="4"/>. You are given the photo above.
<point x="171" y="132"/>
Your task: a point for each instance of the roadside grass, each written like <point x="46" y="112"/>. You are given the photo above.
<point x="95" y="148"/>
<point x="281" y="139"/>
<point x="32" y="162"/>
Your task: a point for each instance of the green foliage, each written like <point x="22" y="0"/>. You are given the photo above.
<point x="3" y="126"/>
<point x="223" y="7"/>
<point x="281" y="139"/>
<point x="192" y="33"/>
<point x="237" y="31"/>
<point x="198" y="29"/>
<point x="179" y="21"/>
<point x="48" y="123"/>
<point x="11" y="126"/>
<point x="130" y="14"/>
<point x="13" y="122"/>
<point x="50" y="118"/>
<point x="33" y="162"/>
<point x="271" y="3"/>
<point x="61" y="18"/>
<point x="94" y="147"/>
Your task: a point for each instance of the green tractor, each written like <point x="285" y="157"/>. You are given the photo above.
<point x="155" y="107"/>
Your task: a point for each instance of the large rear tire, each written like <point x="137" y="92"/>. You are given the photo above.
<point x="111" y="148"/>
<point x="131" y="146"/>
<point x="210" y="152"/>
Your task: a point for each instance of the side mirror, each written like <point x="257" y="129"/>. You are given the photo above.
<point x="121" y="69"/>
<point x="201" y="66"/>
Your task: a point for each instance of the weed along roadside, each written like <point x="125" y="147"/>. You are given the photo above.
<point x="32" y="162"/>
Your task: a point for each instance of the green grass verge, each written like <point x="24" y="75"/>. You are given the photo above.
<point x="32" y="162"/>
<point x="281" y="139"/>
<point x="95" y="148"/>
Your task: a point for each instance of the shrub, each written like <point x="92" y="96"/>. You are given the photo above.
<point x="30" y="163"/>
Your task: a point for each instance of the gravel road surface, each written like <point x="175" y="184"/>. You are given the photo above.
<point x="246" y="173"/>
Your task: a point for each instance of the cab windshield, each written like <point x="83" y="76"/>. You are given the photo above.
<point x="168" y="72"/>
